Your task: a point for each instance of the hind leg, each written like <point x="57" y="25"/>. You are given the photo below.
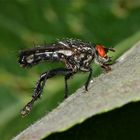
<point x="40" y="85"/>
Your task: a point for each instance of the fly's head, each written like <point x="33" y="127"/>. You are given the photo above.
<point x="101" y="56"/>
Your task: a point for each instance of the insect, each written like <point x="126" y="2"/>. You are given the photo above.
<point x="75" y="54"/>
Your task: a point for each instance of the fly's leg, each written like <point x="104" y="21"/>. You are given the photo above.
<point x="106" y="67"/>
<point x="40" y="85"/>
<point x="88" y="79"/>
<point x="66" y="84"/>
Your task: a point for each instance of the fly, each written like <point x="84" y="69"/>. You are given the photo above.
<point x="75" y="54"/>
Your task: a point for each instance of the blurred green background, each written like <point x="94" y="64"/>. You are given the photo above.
<point x="27" y="22"/>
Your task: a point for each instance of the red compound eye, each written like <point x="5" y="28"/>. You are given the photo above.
<point x="101" y="51"/>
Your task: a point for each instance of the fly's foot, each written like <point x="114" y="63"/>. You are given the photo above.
<point x="26" y="110"/>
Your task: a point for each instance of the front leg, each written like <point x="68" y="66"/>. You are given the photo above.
<point x="40" y="85"/>
<point x="106" y="67"/>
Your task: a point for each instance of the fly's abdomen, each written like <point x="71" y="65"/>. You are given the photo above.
<point x="32" y="57"/>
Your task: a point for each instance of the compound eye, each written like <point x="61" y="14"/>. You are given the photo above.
<point x="101" y="51"/>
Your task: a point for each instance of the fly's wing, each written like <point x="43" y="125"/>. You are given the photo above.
<point x="53" y="52"/>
